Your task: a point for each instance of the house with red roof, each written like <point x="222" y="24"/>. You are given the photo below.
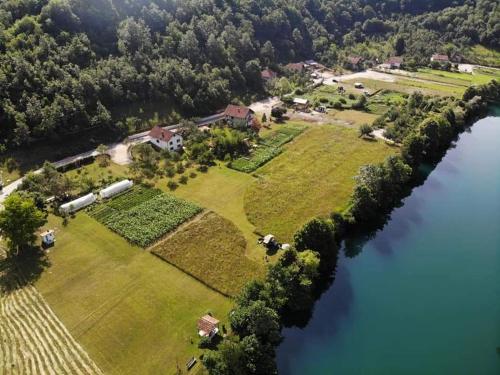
<point x="238" y="116"/>
<point x="208" y="326"/>
<point x="440" y="58"/>
<point x="268" y="74"/>
<point x="165" y="139"/>
<point x="354" y="62"/>
<point x="295" y="67"/>
<point x="393" y="62"/>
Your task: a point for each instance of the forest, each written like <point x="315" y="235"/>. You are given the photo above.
<point x="67" y="66"/>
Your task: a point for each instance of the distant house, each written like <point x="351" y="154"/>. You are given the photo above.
<point x="165" y="139"/>
<point x="238" y="116"/>
<point x="208" y="326"/>
<point x="300" y="103"/>
<point x="354" y="62"/>
<point x="442" y="59"/>
<point x="393" y="62"/>
<point x="295" y="67"/>
<point x="268" y="74"/>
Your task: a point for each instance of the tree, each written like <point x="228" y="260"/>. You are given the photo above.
<point x="19" y="220"/>
<point x="102" y="156"/>
<point x="317" y="235"/>
<point x="257" y="319"/>
<point x="365" y="130"/>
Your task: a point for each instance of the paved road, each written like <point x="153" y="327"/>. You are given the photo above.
<point x="119" y="152"/>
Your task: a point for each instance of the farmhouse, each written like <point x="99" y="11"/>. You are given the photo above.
<point x="238" y="116"/>
<point x="393" y="62"/>
<point x="295" y="67"/>
<point x="165" y="139"/>
<point x="268" y="74"/>
<point x="442" y="59"/>
<point x="300" y="104"/>
<point x="208" y="326"/>
<point x="354" y="62"/>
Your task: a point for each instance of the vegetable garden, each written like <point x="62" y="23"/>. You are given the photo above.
<point x="143" y="215"/>
<point x="268" y="148"/>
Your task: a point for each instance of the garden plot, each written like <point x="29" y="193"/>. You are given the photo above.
<point x="142" y="215"/>
<point x="268" y="148"/>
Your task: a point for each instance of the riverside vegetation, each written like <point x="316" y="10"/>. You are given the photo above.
<point x="290" y="283"/>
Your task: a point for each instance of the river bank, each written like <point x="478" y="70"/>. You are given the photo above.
<point x="421" y="296"/>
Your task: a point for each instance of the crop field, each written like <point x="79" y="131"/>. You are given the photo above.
<point x="312" y="177"/>
<point x="144" y="215"/>
<point x="480" y="76"/>
<point x="124" y="305"/>
<point x="211" y="249"/>
<point x="32" y="338"/>
<point x="268" y="148"/>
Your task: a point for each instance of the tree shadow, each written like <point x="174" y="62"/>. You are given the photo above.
<point x="25" y="268"/>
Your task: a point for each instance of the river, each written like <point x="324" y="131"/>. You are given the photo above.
<point x="423" y="295"/>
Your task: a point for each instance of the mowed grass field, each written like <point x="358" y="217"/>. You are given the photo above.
<point x="212" y="249"/>
<point x="312" y="177"/>
<point x="131" y="311"/>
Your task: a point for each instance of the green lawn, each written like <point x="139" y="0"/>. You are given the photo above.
<point x="351" y="117"/>
<point x="222" y="190"/>
<point x="312" y="177"/>
<point x="212" y="249"/>
<point x="133" y="312"/>
<point x="479" y="77"/>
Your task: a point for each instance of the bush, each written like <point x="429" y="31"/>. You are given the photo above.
<point x="170" y="172"/>
<point x="352" y="96"/>
<point x="192" y="175"/>
<point x="172" y="185"/>
<point x="179" y="168"/>
<point x="204" y="342"/>
<point x="342" y="100"/>
<point x="337" y="105"/>
<point x="323" y="100"/>
<point x="365" y="130"/>
<point x="183" y="179"/>
<point x="203" y="168"/>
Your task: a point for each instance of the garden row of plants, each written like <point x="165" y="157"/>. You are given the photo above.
<point x="267" y="148"/>
<point x="144" y="215"/>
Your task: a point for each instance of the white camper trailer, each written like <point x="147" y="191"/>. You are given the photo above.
<point x="115" y="188"/>
<point x="77" y="204"/>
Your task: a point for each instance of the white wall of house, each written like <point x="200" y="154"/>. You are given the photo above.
<point x="173" y="144"/>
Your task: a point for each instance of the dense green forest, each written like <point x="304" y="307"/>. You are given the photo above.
<point x="67" y="65"/>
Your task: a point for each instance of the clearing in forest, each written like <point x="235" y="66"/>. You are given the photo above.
<point x="312" y="177"/>
<point x="143" y="215"/>
<point x="211" y="249"/>
<point x="32" y="338"/>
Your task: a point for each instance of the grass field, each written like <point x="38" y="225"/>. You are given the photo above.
<point x="351" y="117"/>
<point x="311" y="178"/>
<point x="221" y="190"/>
<point x="482" y="55"/>
<point x="212" y="249"/>
<point x="133" y="312"/>
<point x="479" y="77"/>
<point x="142" y="215"/>
<point x="268" y="148"/>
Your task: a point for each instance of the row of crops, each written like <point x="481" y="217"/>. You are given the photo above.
<point x="268" y="148"/>
<point x="143" y="215"/>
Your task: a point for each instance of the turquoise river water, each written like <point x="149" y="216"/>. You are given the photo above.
<point x="423" y="295"/>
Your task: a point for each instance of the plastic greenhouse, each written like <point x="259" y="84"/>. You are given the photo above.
<point x="77" y="204"/>
<point x="116" y="188"/>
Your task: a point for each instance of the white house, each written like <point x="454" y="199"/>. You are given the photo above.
<point x="115" y="188"/>
<point x="165" y="139"/>
<point x="77" y="204"/>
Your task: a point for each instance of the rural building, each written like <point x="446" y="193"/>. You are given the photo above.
<point x="208" y="326"/>
<point x="48" y="238"/>
<point x="115" y="188"/>
<point x="238" y="116"/>
<point x="393" y="62"/>
<point x="354" y="63"/>
<point x="295" y="67"/>
<point x="358" y="85"/>
<point x="77" y="204"/>
<point x="165" y="139"/>
<point x="268" y="74"/>
<point x="300" y="103"/>
<point x="442" y="59"/>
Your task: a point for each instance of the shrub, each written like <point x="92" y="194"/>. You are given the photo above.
<point x="323" y="100"/>
<point x="179" y="168"/>
<point x="203" y="168"/>
<point x="192" y="175"/>
<point x="183" y="179"/>
<point x="204" y="342"/>
<point x="170" y="172"/>
<point x="172" y="185"/>
<point x="337" y="105"/>
<point x="352" y="96"/>
<point x="342" y="100"/>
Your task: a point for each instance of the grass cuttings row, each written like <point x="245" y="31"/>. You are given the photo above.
<point x="211" y="249"/>
<point x="268" y="148"/>
<point x="142" y="215"/>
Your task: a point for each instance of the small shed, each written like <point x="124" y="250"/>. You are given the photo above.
<point x="269" y="240"/>
<point x="48" y="237"/>
<point x="208" y="326"/>
<point x="77" y="204"/>
<point x="300" y="103"/>
<point x="358" y="85"/>
<point x="115" y="188"/>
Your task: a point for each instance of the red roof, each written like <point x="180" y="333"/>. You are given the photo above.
<point x="295" y="66"/>
<point x="268" y="74"/>
<point x="355" y="60"/>
<point x="237" y="111"/>
<point x="438" y="57"/>
<point x="159" y="133"/>
<point x="395" y="60"/>
<point x="207" y="324"/>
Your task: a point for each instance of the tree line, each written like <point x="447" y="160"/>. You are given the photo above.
<point x="71" y="65"/>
